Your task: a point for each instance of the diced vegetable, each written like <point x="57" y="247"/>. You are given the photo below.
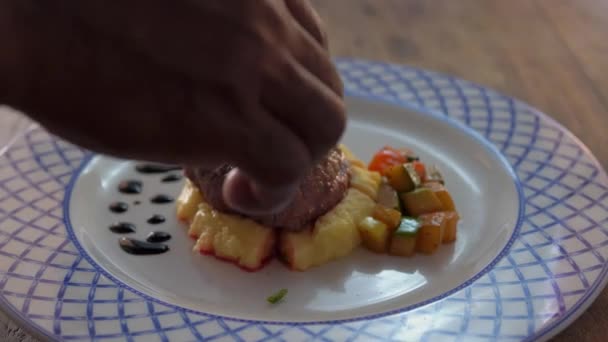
<point x="389" y="216"/>
<point x="403" y="177"/>
<point x="374" y="234"/>
<point x="434" y="175"/>
<point x="451" y="226"/>
<point x="403" y="242"/>
<point x="402" y="246"/>
<point x="385" y="158"/>
<point x="420" y="169"/>
<point x="414" y="189"/>
<point x="442" y="193"/>
<point x="421" y="201"/>
<point x="409" y="226"/>
<point x="388" y="197"/>
<point x="431" y="232"/>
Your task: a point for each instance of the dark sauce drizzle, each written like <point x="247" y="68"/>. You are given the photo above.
<point x="153" y="243"/>
<point x="156" y="219"/>
<point x="161" y="199"/>
<point x="119" y="207"/>
<point x="156" y="168"/>
<point x="122" y="228"/>
<point x="158" y="236"/>
<point x="131" y="187"/>
<point x="174" y="177"/>
<point x="138" y="247"/>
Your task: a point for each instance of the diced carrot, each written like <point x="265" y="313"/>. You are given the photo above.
<point x="385" y="158"/>
<point x="451" y="227"/>
<point x="431" y="232"/>
<point x="375" y="234"/>
<point x="442" y="193"/>
<point x="389" y="216"/>
<point x="402" y="246"/>
<point x="421" y="201"/>
<point x="402" y="177"/>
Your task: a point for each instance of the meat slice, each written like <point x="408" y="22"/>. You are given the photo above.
<point x="321" y="189"/>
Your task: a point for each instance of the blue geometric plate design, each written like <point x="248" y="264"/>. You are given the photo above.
<point x="554" y="270"/>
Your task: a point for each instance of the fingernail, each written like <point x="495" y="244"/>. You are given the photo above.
<point x="247" y="197"/>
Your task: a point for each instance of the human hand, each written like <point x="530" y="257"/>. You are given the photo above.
<point x="249" y="83"/>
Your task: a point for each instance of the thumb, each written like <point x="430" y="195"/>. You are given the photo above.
<point x="246" y="196"/>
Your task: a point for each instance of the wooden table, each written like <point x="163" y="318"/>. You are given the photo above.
<point x="552" y="54"/>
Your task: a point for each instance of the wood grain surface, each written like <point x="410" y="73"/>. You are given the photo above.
<point x="552" y="54"/>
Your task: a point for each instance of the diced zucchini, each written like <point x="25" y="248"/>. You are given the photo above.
<point x="421" y="201"/>
<point x="434" y="175"/>
<point x="403" y="242"/>
<point x="442" y="193"/>
<point x="409" y="226"/>
<point x="413" y="173"/>
<point x="389" y="216"/>
<point x="388" y="197"/>
<point x="451" y="227"/>
<point x="403" y="177"/>
<point x="431" y="232"/>
<point x="374" y="234"/>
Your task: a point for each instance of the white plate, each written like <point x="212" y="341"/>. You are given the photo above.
<point x="64" y="276"/>
<point x="361" y="285"/>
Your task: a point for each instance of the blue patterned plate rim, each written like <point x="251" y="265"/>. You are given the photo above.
<point x="5" y="306"/>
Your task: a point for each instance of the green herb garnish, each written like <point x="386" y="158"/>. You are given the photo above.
<point x="277" y="297"/>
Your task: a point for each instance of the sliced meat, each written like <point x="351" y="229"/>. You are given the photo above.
<point x="322" y="188"/>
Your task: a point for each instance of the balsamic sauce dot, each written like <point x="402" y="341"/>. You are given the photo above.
<point x="138" y="247"/>
<point x="161" y="199"/>
<point x="122" y="228"/>
<point x="136" y="202"/>
<point x="131" y="187"/>
<point x="156" y="219"/>
<point x="174" y="177"/>
<point x="156" y="168"/>
<point x="119" y="207"/>
<point x="158" y="236"/>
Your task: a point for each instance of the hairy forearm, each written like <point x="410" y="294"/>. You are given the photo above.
<point x="33" y="57"/>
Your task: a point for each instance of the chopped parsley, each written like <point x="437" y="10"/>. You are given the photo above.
<point x="277" y="297"/>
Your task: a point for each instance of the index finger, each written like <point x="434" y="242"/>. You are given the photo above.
<point x="310" y="20"/>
